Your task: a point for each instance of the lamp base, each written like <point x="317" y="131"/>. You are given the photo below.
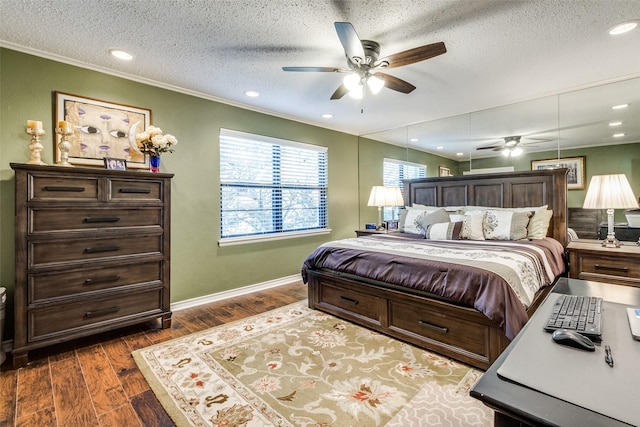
<point x="611" y="242"/>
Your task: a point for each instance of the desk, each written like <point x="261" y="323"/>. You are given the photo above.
<point x="516" y="405"/>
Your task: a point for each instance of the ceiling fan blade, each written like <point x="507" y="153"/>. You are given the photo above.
<point x="414" y="55"/>
<point x="316" y="69"/>
<point x="395" y="83"/>
<point x="350" y="42"/>
<point x="340" y="92"/>
<point x="491" y="147"/>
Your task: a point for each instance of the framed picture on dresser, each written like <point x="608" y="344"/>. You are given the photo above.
<point x="101" y="129"/>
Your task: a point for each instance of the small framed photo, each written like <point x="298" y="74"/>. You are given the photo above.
<point x="443" y="171"/>
<point x="391" y="225"/>
<point x="114" y="164"/>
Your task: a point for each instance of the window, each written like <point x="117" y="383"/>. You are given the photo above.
<point x="393" y="172"/>
<point x="270" y="187"/>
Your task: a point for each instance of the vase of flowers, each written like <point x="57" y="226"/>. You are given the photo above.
<point x="153" y="142"/>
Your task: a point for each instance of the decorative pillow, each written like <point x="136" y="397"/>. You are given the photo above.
<point x="433" y="217"/>
<point x="472" y="223"/>
<point x="505" y="225"/>
<point x="539" y="224"/>
<point x="417" y="220"/>
<point x="402" y="218"/>
<point x="444" y="231"/>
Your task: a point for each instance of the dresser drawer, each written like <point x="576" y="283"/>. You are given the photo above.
<point x="65" y="318"/>
<point x="46" y="252"/>
<point x="63" y="188"/>
<point x="82" y="219"/>
<point x="346" y="302"/>
<point x="60" y="284"/>
<point x="433" y="324"/>
<point x="604" y="268"/>
<point x="127" y="190"/>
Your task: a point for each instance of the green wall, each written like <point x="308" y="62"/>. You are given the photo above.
<point x="198" y="266"/>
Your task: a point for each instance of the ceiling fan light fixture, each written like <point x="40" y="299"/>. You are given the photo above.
<point x="357" y="92"/>
<point x="352" y="82"/>
<point x="625" y="27"/>
<point x="375" y="84"/>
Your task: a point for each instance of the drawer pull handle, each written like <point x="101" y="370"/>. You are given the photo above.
<point x="606" y="267"/>
<point x="105" y="279"/>
<point x="349" y="300"/>
<point x="102" y="312"/>
<point x="102" y="249"/>
<point x="432" y="326"/>
<point x="56" y="188"/>
<point x="135" y="190"/>
<point x="93" y="220"/>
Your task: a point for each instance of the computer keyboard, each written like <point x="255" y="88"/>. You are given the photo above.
<point x="579" y="313"/>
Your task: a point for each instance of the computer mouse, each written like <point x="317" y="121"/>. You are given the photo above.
<point x="573" y="339"/>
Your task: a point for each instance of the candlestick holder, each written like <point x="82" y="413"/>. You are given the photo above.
<point x="64" y="146"/>
<point x="35" y="146"/>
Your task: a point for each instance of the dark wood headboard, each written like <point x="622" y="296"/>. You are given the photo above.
<point x="504" y="190"/>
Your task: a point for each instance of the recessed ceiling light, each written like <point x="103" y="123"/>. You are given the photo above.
<point x="612" y="124"/>
<point x="618" y="135"/>
<point x="620" y="106"/>
<point x="414" y="140"/>
<point x="327" y="116"/>
<point x="120" y="54"/>
<point x="625" y="27"/>
<point x="439" y="147"/>
<point x="459" y="154"/>
<point x="252" y="93"/>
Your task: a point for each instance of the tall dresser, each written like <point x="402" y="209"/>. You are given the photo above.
<point x="92" y="253"/>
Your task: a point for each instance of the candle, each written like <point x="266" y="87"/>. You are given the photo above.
<point x="34" y="124"/>
<point x="64" y="125"/>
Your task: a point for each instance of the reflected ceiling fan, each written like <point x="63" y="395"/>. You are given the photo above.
<point x="510" y="146"/>
<point x="364" y="66"/>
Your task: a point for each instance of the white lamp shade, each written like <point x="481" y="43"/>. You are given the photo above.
<point x="385" y="196"/>
<point x="609" y="192"/>
<point x="375" y="84"/>
<point x="351" y="81"/>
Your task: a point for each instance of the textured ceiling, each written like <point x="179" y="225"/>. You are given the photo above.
<point x="498" y="52"/>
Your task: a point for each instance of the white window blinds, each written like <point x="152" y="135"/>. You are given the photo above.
<point x="270" y="185"/>
<point x="394" y="172"/>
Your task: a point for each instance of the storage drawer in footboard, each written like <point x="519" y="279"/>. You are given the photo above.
<point x="349" y="304"/>
<point x="431" y="325"/>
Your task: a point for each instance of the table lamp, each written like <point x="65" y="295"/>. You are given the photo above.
<point x="610" y="192"/>
<point x="384" y="196"/>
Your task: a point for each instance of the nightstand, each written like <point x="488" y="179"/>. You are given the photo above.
<point x="370" y="232"/>
<point x="588" y="260"/>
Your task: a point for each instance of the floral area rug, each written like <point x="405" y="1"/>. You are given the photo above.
<point x="299" y="367"/>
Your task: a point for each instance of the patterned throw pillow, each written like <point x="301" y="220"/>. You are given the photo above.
<point x="472" y="223"/>
<point x="417" y="220"/>
<point x="444" y="231"/>
<point x="505" y="225"/>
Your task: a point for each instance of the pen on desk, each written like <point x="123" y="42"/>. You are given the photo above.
<point x="607" y="355"/>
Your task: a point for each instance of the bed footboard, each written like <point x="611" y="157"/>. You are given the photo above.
<point x="461" y="333"/>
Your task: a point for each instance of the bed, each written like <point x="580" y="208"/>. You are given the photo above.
<point x="432" y="292"/>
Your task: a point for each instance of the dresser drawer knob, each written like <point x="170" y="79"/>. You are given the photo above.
<point x="135" y="190"/>
<point x="102" y="249"/>
<point x="97" y="219"/>
<point x="102" y="312"/>
<point x="607" y="267"/>
<point x="105" y="279"/>
<point x="349" y="300"/>
<point x="57" y="188"/>
<point x="432" y="326"/>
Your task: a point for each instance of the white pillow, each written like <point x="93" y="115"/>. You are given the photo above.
<point x="415" y="220"/>
<point x="472" y="223"/>
<point x="505" y="225"/>
<point x="444" y="231"/>
<point x="539" y="224"/>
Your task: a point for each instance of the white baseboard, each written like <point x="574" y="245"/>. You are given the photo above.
<point x="219" y="296"/>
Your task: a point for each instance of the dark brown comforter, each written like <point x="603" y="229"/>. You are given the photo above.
<point x="479" y="274"/>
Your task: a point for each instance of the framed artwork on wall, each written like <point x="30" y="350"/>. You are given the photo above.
<point x="101" y="130"/>
<point x="575" y="177"/>
<point x="112" y="163"/>
<point x="443" y="171"/>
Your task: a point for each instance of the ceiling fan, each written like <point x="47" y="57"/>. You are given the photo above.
<point x="364" y="66"/>
<point x="510" y="146"/>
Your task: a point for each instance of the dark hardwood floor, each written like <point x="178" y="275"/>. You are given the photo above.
<point x="95" y="382"/>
